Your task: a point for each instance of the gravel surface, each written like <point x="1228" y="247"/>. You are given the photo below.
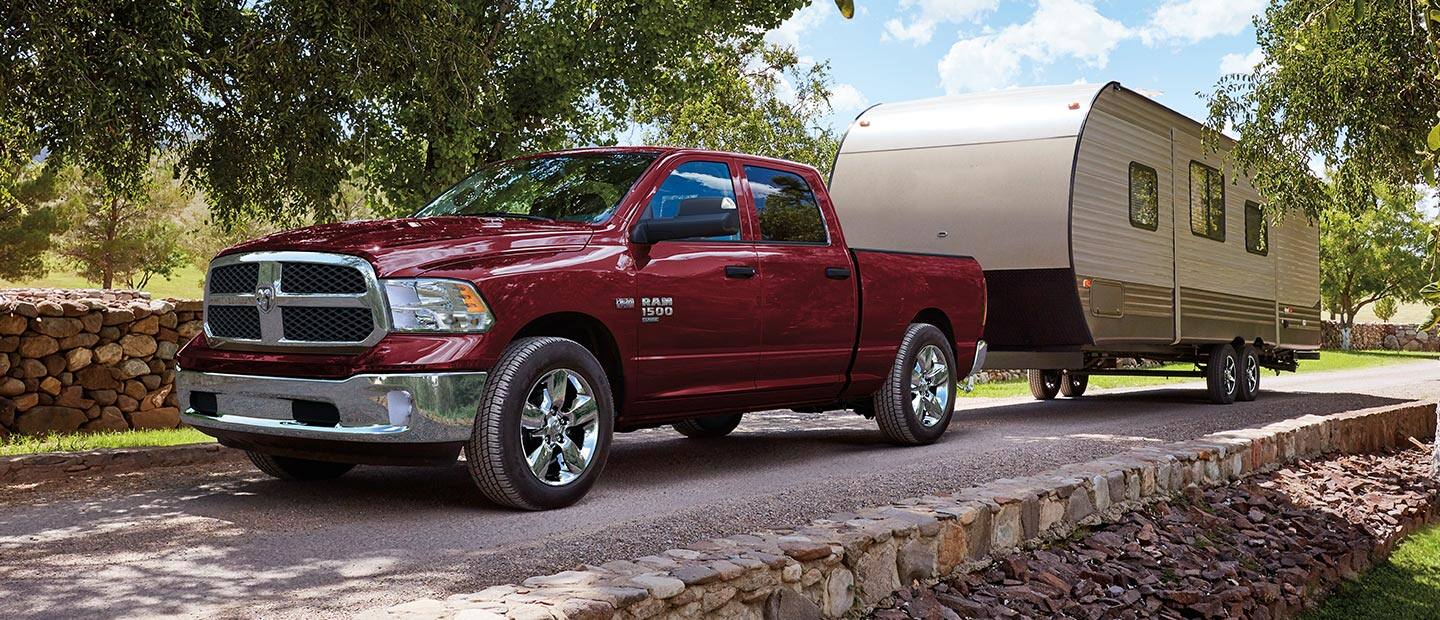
<point x="230" y="542"/>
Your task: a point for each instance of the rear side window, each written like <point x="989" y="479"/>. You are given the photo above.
<point x="786" y="206"/>
<point x="1257" y="230"/>
<point x="695" y="188"/>
<point x="1144" y="197"/>
<point x="1207" y="202"/>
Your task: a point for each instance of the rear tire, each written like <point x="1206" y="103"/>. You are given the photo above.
<point x="543" y="429"/>
<point x="1073" y="386"/>
<point x="917" y="400"/>
<point x="708" y="427"/>
<point x="291" y="468"/>
<point x="1044" y="384"/>
<point x="1222" y="375"/>
<point x="1249" y="374"/>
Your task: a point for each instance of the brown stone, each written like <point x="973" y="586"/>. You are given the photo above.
<point x="96" y="378"/>
<point x="109" y="334"/>
<point x="148" y="325"/>
<point x="54" y="364"/>
<point x="134" y="389"/>
<point x="7" y="413"/>
<point x="50" y="308"/>
<point x="92" y="322"/>
<point x="138" y="345"/>
<point x="49" y="419"/>
<point x="166" y="350"/>
<point x="10" y="386"/>
<point x="26" y="401"/>
<point x="13" y="324"/>
<point x="151" y="382"/>
<point x="75" y="359"/>
<point x="104" y="397"/>
<point x="108" y="354"/>
<point x="164" y="417"/>
<point x="131" y="368"/>
<point x="38" y="346"/>
<point x="79" y="341"/>
<point x="30" y="369"/>
<point x="188" y="329"/>
<point x="9" y="344"/>
<point x="4" y="364"/>
<point x="109" y="421"/>
<point x="50" y="385"/>
<point x="169" y="319"/>
<point x="57" y="327"/>
<point x="74" y="396"/>
<point x="126" y="404"/>
<point x="118" y="317"/>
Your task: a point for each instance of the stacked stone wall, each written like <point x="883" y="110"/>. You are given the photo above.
<point x="89" y="360"/>
<point x="1382" y="337"/>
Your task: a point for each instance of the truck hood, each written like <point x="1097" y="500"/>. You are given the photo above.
<point x="410" y="246"/>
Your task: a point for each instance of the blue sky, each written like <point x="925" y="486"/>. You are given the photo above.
<point x="911" y="49"/>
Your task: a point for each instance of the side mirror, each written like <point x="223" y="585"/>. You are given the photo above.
<point x="686" y="227"/>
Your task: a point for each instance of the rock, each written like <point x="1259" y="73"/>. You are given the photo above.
<point x="659" y="586"/>
<point x="138" y="345"/>
<point x="118" y="317"/>
<point x="10" y="386"/>
<point x="103" y="397"/>
<point x="26" y="401"/>
<point x="134" y="389"/>
<point x="49" y="419"/>
<point x="131" y="368"/>
<point x="110" y="421"/>
<point x="188" y="329"/>
<point x="9" y="344"/>
<point x="839" y="592"/>
<point x="50" y="308"/>
<point x="108" y="354"/>
<point x="154" y="400"/>
<point x="38" y="346"/>
<point x="126" y="404"/>
<point x="4" y="364"/>
<point x="31" y="369"/>
<point x="54" y="364"/>
<point x="92" y="322"/>
<point x="75" y="359"/>
<point x="97" y="378"/>
<point x="148" y="325"/>
<point x="166" y="350"/>
<point x="13" y="324"/>
<point x="7" y="412"/>
<point x="165" y="417"/>
<point x="74" y="396"/>
<point x="50" y="385"/>
<point x="1391" y="342"/>
<point x="57" y="327"/>
<point x="151" y="382"/>
<point x="79" y="341"/>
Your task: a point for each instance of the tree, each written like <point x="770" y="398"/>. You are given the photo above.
<point x="746" y="98"/>
<point x="27" y="219"/>
<point x="1386" y="308"/>
<point x="114" y="238"/>
<point x="1354" y="84"/>
<point x="1370" y="254"/>
<point x="271" y="105"/>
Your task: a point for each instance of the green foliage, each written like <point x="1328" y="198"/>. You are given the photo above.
<point x="847" y="8"/>
<point x="114" y="238"/>
<point x="27" y="219"/>
<point x="745" y="97"/>
<point x="1355" y="84"/>
<point x="1370" y="254"/>
<point x="1386" y="308"/>
<point x="273" y="105"/>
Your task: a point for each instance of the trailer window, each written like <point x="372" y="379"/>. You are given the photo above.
<point x="685" y="190"/>
<point x="786" y="206"/>
<point x="1144" y="197"/>
<point x="1207" y="202"/>
<point x="1257" y="230"/>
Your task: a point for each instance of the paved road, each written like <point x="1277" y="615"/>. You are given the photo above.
<point x="232" y="542"/>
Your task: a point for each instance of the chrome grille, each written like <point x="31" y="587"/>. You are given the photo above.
<point x="242" y="322"/>
<point x="305" y="300"/>
<point x="320" y="278"/>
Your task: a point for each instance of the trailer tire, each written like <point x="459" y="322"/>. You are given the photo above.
<point x="519" y="409"/>
<point x="1249" y="374"/>
<point x="1073" y="386"/>
<point x="291" y="468"/>
<point x="1222" y="380"/>
<point x="1044" y="384"/>
<point x="921" y="350"/>
<point x="708" y="427"/>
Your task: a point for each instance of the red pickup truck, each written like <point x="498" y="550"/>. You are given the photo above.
<point x="543" y="303"/>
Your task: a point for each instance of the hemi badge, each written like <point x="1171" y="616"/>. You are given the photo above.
<point x="624" y="303"/>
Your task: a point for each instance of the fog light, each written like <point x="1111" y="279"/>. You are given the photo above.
<point x="399" y="404"/>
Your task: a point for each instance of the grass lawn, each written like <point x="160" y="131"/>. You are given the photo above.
<point x="17" y="444"/>
<point x="1405" y="586"/>
<point x="185" y="284"/>
<point x="1329" y="360"/>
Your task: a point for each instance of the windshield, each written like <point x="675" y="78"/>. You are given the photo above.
<point x="585" y="187"/>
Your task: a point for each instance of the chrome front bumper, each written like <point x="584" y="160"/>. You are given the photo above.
<point x="392" y="408"/>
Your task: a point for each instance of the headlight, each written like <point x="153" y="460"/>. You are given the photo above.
<point x="432" y="305"/>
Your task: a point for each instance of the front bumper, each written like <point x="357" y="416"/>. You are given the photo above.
<point x="435" y="408"/>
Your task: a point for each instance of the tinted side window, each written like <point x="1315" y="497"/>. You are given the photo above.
<point x="786" y="206"/>
<point x="1207" y="201"/>
<point x="695" y="188"/>
<point x="1257" y="230"/>
<point x="1144" y="197"/>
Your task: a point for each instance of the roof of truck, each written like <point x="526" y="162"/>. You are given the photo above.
<point x="669" y="150"/>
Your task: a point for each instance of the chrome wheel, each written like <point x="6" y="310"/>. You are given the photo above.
<point x="930" y="385"/>
<point x="1252" y="373"/>
<point x="559" y="427"/>
<point x="1229" y="371"/>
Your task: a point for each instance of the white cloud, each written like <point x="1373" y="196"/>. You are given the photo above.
<point x="791" y="31"/>
<point x="1151" y="93"/>
<point x="918" y="26"/>
<point x="1058" y="29"/>
<point x="846" y="98"/>
<point x="1236" y="63"/>
<point x="1189" y="21"/>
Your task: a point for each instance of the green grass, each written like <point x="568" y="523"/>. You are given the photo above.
<point x="1405" y="586"/>
<point x="18" y="444"/>
<point x="1329" y="361"/>
<point x="184" y="284"/>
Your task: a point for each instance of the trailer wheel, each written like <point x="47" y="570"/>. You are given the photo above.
<point x="1044" y="384"/>
<point x="542" y="433"/>
<point x="1222" y="375"/>
<point x="1073" y="386"/>
<point x="708" y="427"/>
<point x="917" y="400"/>
<point x="1249" y="374"/>
<point x="291" y="468"/>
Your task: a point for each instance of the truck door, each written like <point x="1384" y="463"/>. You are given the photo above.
<point x="697" y="301"/>
<point x="808" y="289"/>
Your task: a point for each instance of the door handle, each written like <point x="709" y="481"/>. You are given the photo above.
<point x="739" y="271"/>
<point x="837" y="273"/>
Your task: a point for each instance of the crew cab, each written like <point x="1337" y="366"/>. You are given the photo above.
<point x="543" y="303"/>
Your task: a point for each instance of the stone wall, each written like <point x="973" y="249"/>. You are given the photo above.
<point x="89" y="360"/>
<point x="1381" y="336"/>
<point x="842" y="566"/>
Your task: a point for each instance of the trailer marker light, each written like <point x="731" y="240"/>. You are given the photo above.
<point x="1087" y="283"/>
<point x="1074" y="105"/>
<point x="864" y="123"/>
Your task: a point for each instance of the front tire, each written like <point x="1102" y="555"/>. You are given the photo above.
<point x="917" y="400"/>
<point x="1044" y="384"/>
<point x="291" y="468"/>
<point x="1249" y="374"/>
<point x="543" y="429"/>
<point x="1222" y="375"/>
<point x="708" y="427"/>
<point x="1073" y="386"/>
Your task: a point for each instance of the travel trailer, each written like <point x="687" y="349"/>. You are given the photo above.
<point x="1105" y="226"/>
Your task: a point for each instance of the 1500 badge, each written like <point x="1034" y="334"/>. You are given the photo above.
<point x="652" y="308"/>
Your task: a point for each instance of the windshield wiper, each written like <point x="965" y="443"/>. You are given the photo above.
<point x="520" y="216"/>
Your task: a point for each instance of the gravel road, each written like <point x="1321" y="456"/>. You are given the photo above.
<point x="230" y="542"/>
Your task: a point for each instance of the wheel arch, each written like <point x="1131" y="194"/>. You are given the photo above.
<point x="591" y="333"/>
<point x="935" y="316"/>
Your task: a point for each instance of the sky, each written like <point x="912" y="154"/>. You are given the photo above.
<point x="912" y="49"/>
